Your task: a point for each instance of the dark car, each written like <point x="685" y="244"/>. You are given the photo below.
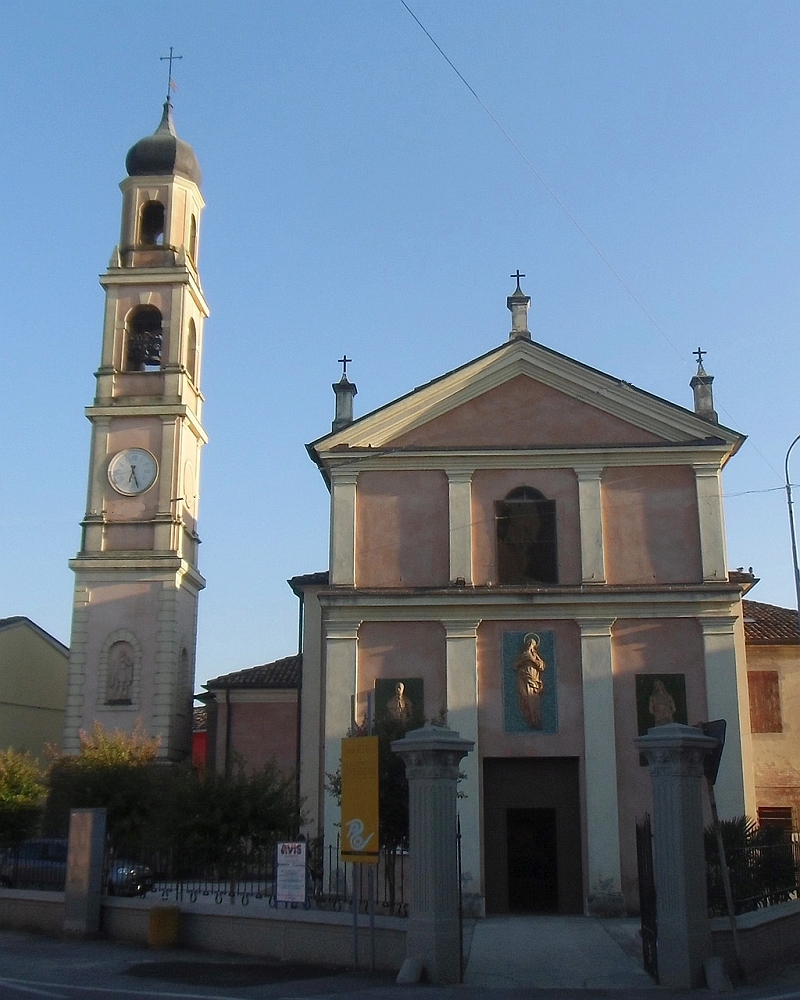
<point x="127" y="878"/>
<point x="40" y="863"/>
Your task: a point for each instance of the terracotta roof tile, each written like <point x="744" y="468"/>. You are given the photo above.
<point x="283" y="673"/>
<point x="769" y="625"/>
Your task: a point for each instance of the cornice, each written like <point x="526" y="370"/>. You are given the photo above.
<point x="586" y="459"/>
<point x="122" y="277"/>
<point x="718" y="602"/>
<point x="121" y="409"/>
<point x="134" y="565"/>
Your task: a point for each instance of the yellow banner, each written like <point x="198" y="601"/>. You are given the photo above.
<point x="360" y="799"/>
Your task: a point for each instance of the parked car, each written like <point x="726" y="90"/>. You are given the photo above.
<point x="127" y="878"/>
<point x="40" y="863"/>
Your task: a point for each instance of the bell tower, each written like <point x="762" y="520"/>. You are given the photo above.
<point x="134" y="622"/>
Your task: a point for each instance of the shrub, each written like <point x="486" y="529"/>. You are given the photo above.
<point x="22" y="795"/>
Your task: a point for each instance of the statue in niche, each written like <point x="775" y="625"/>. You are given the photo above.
<point x="661" y="705"/>
<point x="529" y="668"/>
<point x="121" y="660"/>
<point x="400" y="707"/>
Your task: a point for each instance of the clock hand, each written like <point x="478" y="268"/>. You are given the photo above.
<point x="132" y="477"/>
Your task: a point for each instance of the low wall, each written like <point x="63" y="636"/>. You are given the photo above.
<point x="767" y="938"/>
<point x="27" y="910"/>
<point x="303" y="936"/>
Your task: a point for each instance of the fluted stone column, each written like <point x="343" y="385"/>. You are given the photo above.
<point x="675" y="755"/>
<point x="431" y="756"/>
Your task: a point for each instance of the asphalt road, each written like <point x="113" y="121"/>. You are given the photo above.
<point x="38" y="966"/>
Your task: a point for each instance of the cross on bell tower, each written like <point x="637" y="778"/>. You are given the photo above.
<point x="137" y="580"/>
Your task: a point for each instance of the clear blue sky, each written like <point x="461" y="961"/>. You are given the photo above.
<point x="360" y="199"/>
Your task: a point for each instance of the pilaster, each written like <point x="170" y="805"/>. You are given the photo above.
<point x="726" y="698"/>
<point x="343" y="528"/>
<point x="712" y="526"/>
<point x="600" y="761"/>
<point x="590" y="503"/>
<point x="462" y="715"/>
<point x="460" y="491"/>
<point x="341" y="679"/>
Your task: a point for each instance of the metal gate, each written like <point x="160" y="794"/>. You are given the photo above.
<point x="647" y="896"/>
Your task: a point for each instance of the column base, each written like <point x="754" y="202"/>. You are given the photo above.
<point x="605" y="904"/>
<point x="473" y="905"/>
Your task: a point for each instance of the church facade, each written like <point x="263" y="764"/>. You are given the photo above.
<point x="535" y="550"/>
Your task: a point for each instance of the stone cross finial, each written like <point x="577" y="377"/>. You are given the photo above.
<point x="699" y="354"/>
<point x="344" y="362"/>
<point x="517" y="275"/>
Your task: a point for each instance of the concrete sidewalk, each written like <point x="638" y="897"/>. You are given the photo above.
<point x="555" y="953"/>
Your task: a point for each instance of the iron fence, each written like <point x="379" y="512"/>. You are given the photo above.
<point x="760" y="875"/>
<point x="245" y="874"/>
<point x="40" y="863"/>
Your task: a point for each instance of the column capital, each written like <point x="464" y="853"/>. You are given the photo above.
<point x="347" y="629"/>
<point x="707" y="468"/>
<point x="595" y="627"/>
<point x="458" y="475"/>
<point x="462" y="629"/>
<point x="343" y="477"/>
<point x="724" y="625"/>
<point x="588" y="472"/>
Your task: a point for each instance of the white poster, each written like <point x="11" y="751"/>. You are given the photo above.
<point x="290" y="877"/>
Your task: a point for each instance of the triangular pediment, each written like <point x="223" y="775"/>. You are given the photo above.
<point x="523" y="395"/>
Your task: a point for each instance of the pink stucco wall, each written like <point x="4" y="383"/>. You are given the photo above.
<point x="402" y="531"/>
<point x="262" y="732"/>
<point x="654" y="646"/>
<point x="490" y="485"/>
<point x="650" y="524"/>
<point x="403" y="649"/>
<point x="524" y="413"/>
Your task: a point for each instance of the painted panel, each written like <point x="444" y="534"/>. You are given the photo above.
<point x="491" y="485"/>
<point x="495" y="739"/>
<point x="530" y="682"/>
<point x="402" y="530"/>
<point x="523" y="413"/>
<point x="651" y="526"/>
<point x="660" y="700"/>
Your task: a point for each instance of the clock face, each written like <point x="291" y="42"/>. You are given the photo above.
<point x="132" y="471"/>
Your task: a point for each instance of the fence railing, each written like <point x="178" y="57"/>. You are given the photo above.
<point x="245" y="874"/>
<point x="760" y="875"/>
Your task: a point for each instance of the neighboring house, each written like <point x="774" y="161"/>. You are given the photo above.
<point x="252" y="717"/>
<point x="536" y="551"/>
<point x="773" y="676"/>
<point x="33" y="686"/>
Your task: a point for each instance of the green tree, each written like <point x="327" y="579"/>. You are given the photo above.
<point x="23" y="791"/>
<point x="114" y="770"/>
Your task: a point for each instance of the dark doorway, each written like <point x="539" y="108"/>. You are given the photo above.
<point x="532" y="860"/>
<point x="532" y="835"/>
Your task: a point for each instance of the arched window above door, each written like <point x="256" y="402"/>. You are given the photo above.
<point x="526" y="538"/>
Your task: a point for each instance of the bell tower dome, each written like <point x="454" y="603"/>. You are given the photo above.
<point x="137" y="581"/>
